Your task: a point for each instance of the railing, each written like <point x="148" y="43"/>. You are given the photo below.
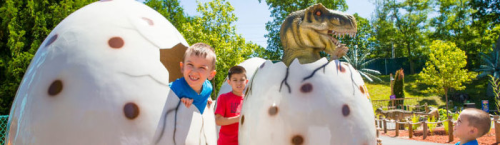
<point x="381" y="124"/>
<point x="398" y="103"/>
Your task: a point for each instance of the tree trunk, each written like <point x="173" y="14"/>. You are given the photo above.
<point x="446" y="96"/>
<point x="410" y="58"/>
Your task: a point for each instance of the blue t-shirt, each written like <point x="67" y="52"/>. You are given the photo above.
<point x="182" y="89"/>
<point x="473" y="142"/>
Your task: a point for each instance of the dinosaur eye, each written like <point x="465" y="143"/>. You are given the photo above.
<point x="318" y="13"/>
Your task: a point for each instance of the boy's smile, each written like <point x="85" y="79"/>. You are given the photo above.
<point x="196" y="70"/>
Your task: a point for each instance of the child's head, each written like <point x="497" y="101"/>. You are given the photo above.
<point x="237" y="78"/>
<point x="198" y="65"/>
<point x="472" y="123"/>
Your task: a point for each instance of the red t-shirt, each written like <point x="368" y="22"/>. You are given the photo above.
<point x="229" y="105"/>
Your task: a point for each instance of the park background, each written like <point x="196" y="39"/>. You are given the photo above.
<point x="392" y="34"/>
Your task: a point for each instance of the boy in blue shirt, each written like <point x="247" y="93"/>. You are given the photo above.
<point x="471" y="124"/>
<point x="197" y="68"/>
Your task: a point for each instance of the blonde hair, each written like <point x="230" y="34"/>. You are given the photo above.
<point x="478" y="119"/>
<point x="202" y="50"/>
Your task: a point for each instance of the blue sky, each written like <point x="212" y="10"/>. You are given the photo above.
<point x="252" y="15"/>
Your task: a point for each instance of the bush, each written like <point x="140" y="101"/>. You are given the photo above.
<point x="399" y="87"/>
<point x="415" y="119"/>
<point x="445" y="122"/>
<point x="431" y="125"/>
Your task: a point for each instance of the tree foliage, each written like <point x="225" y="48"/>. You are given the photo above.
<point x="385" y="33"/>
<point x="170" y="9"/>
<point x="487" y="10"/>
<point x="456" y="23"/>
<point x="215" y="26"/>
<point x="362" y="39"/>
<point x="405" y="22"/>
<point x="491" y="65"/>
<point x="24" y="24"/>
<point x="445" y="68"/>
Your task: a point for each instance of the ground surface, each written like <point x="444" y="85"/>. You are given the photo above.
<point x="386" y="140"/>
<point x="439" y="136"/>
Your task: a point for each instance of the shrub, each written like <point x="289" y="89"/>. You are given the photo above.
<point x="431" y="125"/>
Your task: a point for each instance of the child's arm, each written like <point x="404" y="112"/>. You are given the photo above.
<point x="188" y="102"/>
<point x="220" y="120"/>
<point x="209" y="102"/>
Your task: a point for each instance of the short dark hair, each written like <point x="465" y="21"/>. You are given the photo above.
<point x="236" y="70"/>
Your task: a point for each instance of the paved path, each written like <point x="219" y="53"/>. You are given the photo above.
<point x="398" y="141"/>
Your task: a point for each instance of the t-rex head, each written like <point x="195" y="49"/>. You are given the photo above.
<point x="307" y="32"/>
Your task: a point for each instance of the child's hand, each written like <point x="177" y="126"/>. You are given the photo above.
<point x="187" y="102"/>
<point x="209" y="102"/>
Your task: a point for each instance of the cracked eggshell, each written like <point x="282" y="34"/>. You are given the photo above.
<point x="317" y="103"/>
<point x="96" y="79"/>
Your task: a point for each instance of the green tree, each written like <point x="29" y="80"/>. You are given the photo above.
<point x="455" y="23"/>
<point x="410" y="19"/>
<point x="280" y="10"/>
<point x="362" y="38"/>
<point x="24" y="24"/>
<point x="488" y="10"/>
<point x="170" y="9"/>
<point x="444" y="69"/>
<point x="384" y="34"/>
<point x="215" y="26"/>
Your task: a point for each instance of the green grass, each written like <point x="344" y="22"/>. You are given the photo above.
<point x="476" y="90"/>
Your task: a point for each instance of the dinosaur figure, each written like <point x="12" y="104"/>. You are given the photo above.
<point x="282" y="97"/>
<point x="305" y="33"/>
<point x="396" y="114"/>
<point x="433" y="112"/>
<point x="402" y="115"/>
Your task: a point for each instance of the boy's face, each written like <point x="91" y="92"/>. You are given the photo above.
<point x="196" y="70"/>
<point x="462" y="129"/>
<point x="238" y="83"/>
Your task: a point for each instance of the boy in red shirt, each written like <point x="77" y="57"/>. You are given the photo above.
<point x="227" y="113"/>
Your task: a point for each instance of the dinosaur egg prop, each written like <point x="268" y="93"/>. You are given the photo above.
<point x="182" y="125"/>
<point x="324" y="102"/>
<point x="97" y="79"/>
<point x="250" y="65"/>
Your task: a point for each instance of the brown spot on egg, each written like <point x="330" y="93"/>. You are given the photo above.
<point x="306" y="88"/>
<point x="341" y="68"/>
<point x="116" y="42"/>
<point x="55" y="88"/>
<point x="297" y="140"/>
<point x="242" y="119"/>
<point x="346" y="110"/>
<point x="131" y="110"/>
<point x="273" y="110"/>
<point x="362" y="89"/>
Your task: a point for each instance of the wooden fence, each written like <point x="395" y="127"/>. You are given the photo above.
<point x="399" y="103"/>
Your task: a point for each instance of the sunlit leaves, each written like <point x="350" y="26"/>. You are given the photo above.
<point x="445" y="68"/>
